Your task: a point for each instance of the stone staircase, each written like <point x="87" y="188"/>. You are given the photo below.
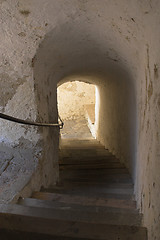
<point x="93" y="200"/>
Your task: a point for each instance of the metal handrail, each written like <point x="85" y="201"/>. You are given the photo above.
<point x="27" y="122"/>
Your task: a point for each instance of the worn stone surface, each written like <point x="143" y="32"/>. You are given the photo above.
<point x="17" y="165"/>
<point x="112" y="44"/>
<point x="76" y="128"/>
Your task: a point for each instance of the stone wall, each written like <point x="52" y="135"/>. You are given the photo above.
<point x="147" y="177"/>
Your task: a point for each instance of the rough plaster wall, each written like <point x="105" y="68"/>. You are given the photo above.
<point x="17" y="165"/>
<point x="87" y="37"/>
<point x="20" y="36"/>
<point x="148" y="177"/>
<point x="72" y="98"/>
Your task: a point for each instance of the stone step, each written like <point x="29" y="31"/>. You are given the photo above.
<point x="79" y="153"/>
<point x="92" y="172"/>
<point x="81" y="147"/>
<point x="19" y="235"/>
<point x="98" y="179"/>
<point x="95" y="190"/>
<point x="42" y="220"/>
<point x="94" y="214"/>
<point x="109" y="165"/>
<point x="88" y="160"/>
<point x="96" y="174"/>
<point x="101" y="201"/>
<point x="125" y="188"/>
<point x="85" y="147"/>
<point x="79" y="204"/>
<point x="80" y="143"/>
<point x="93" y="183"/>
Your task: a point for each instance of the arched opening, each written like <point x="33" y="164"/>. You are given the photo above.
<point x="58" y="62"/>
<point x="76" y="106"/>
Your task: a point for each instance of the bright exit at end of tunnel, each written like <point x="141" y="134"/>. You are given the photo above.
<point x="76" y="106"/>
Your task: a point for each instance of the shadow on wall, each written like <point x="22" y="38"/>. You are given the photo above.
<point x="65" y="54"/>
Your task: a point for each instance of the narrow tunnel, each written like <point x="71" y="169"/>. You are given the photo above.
<point x="110" y="44"/>
<point x="57" y="62"/>
<point x="115" y="102"/>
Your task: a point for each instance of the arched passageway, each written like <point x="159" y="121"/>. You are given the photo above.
<point x="57" y="62"/>
<point x="111" y="43"/>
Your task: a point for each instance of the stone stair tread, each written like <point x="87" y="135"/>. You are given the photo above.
<point x="94" y="163"/>
<point x="110" y="187"/>
<point x="77" y="212"/>
<point x="96" y="171"/>
<point x="75" y="175"/>
<point x="96" y="174"/>
<point x="73" y="153"/>
<point x="84" y="156"/>
<point x="79" y="143"/>
<point x="94" y="199"/>
<point x="100" y="190"/>
<point x="89" y="149"/>
<point x="101" y="179"/>
<point x="80" y="204"/>
<point x="69" y="160"/>
<point x="97" y="193"/>
<point x="32" y="219"/>
<point x="96" y="177"/>
<point x="85" y="200"/>
<point x="19" y="235"/>
<point x="104" y="185"/>
<point x="109" y="165"/>
<point x="86" y="152"/>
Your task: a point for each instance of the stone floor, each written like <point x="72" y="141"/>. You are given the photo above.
<point x="76" y="128"/>
<point x="94" y="200"/>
